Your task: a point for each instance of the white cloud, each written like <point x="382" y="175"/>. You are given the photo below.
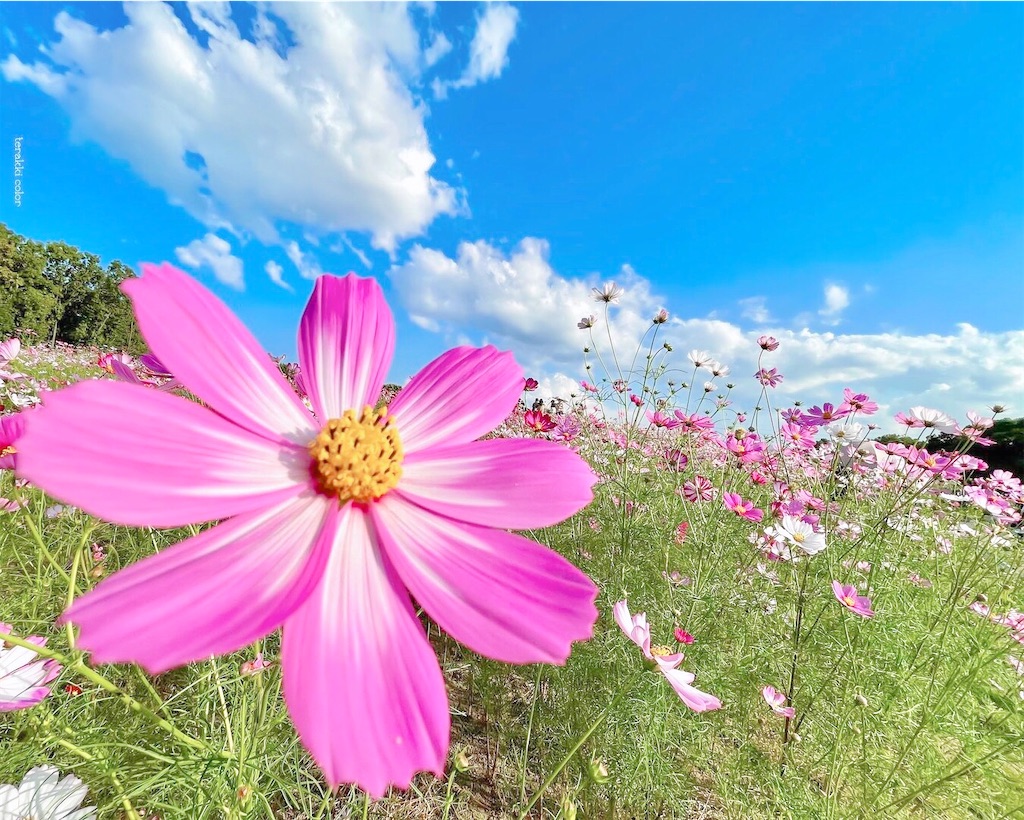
<point x="755" y="308"/>
<point x="488" y="52"/>
<point x="437" y="49"/>
<point x="275" y="272"/>
<point x="837" y="299"/>
<point x="214" y="253"/>
<point x="246" y="138"/>
<point x="517" y="301"/>
<point x="306" y="263"/>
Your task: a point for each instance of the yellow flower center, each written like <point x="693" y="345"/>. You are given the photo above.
<point x="357" y="458"/>
<point x="9" y="450"/>
<point x="661" y="651"/>
<point x="799" y="537"/>
<point x="849" y="600"/>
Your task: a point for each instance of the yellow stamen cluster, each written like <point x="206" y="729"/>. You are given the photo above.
<point x="9" y="450"/>
<point x="357" y="458"/>
<point x="799" y="537"/>
<point x="661" y="651"/>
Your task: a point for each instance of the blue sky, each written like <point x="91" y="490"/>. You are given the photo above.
<point x="849" y="177"/>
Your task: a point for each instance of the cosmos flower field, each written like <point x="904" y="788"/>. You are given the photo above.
<point x="233" y="586"/>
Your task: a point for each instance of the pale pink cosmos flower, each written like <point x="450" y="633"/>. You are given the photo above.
<point x="23" y="675"/>
<point x="848" y="597"/>
<point x="254" y="667"/>
<point x="768" y="343"/>
<point x="9" y="351"/>
<point x="608" y="294"/>
<point x="931" y="419"/>
<point x="586" y="322"/>
<point x="777" y="700"/>
<point x="638" y="631"/>
<point x="331" y="521"/>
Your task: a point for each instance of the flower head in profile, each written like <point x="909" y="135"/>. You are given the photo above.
<point x="44" y="795"/>
<point x="11" y="427"/>
<point x="608" y="294"/>
<point x="700" y="358"/>
<point x="930" y="419"/>
<point x="777" y="700"/>
<point x="23" y="674"/>
<point x="529" y="385"/>
<point x="666" y="661"/>
<point x="660" y="317"/>
<point x="586" y="322"/>
<point x="332" y="519"/>
<point x="848" y="597"/>
<point x="768" y="343"/>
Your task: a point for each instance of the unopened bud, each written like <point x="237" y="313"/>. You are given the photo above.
<point x="244" y="793"/>
<point x="598" y="771"/>
<point x="860" y="700"/>
<point x="461" y="761"/>
<point x="568" y="807"/>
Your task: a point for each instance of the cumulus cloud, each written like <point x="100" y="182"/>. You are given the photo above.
<point x="518" y="301"/>
<point x="214" y="253"/>
<point x="755" y="308"/>
<point x="837" y="299"/>
<point x="309" y="121"/>
<point x="488" y="52"/>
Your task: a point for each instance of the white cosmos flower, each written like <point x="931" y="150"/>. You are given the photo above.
<point x="44" y="795"/>
<point x="609" y="293"/>
<point x="799" y="532"/>
<point x="700" y="358"/>
<point x="933" y="419"/>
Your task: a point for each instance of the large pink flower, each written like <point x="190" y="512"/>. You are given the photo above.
<point x="331" y="519"/>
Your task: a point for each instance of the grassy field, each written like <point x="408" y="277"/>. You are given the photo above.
<point x="917" y="711"/>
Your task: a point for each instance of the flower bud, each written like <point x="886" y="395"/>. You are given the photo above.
<point x="598" y="771"/>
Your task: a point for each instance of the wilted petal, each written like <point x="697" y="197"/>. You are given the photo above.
<point x="214" y="355"/>
<point x="460" y="396"/>
<point x="361" y="681"/>
<point x="501" y="595"/>
<point x="506" y="483"/>
<point x="140" y="457"/>
<point x="346" y="341"/>
<point x="210" y="594"/>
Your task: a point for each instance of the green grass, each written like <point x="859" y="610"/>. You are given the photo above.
<point x="914" y="713"/>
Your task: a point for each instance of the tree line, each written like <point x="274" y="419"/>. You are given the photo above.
<point x="55" y="292"/>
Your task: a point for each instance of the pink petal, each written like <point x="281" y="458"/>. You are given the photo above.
<point x="694" y="698"/>
<point x="506" y="483"/>
<point x="360" y="679"/>
<point x="210" y="594"/>
<point x="144" y="458"/>
<point x="214" y="355"/>
<point x="346" y="341"/>
<point x="460" y="396"/>
<point x="501" y="595"/>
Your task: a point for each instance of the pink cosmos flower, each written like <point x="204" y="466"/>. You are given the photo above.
<point x="848" y="597"/>
<point x="637" y="630"/>
<point x="330" y="520"/>
<point x="254" y="667"/>
<point x="820" y="416"/>
<point x="744" y="509"/>
<point x="681" y="530"/>
<point x="857" y="403"/>
<point x="9" y="351"/>
<point x="682" y="636"/>
<point x="769" y="378"/>
<point x="633" y="397"/>
<point x="700" y="489"/>
<point x="530" y="385"/>
<point x="768" y="343"/>
<point x="659" y="418"/>
<point x="23" y="676"/>
<point x="777" y="700"/>
<point x="539" y="421"/>
<point x="11" y="428"/>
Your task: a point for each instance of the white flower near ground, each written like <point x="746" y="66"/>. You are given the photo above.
<point x="44" y="795"/>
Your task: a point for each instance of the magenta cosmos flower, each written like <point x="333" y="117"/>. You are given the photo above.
<point x="11" y="428"/>
<point x="330" y="519"/>
<point x="848" y="597"/>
